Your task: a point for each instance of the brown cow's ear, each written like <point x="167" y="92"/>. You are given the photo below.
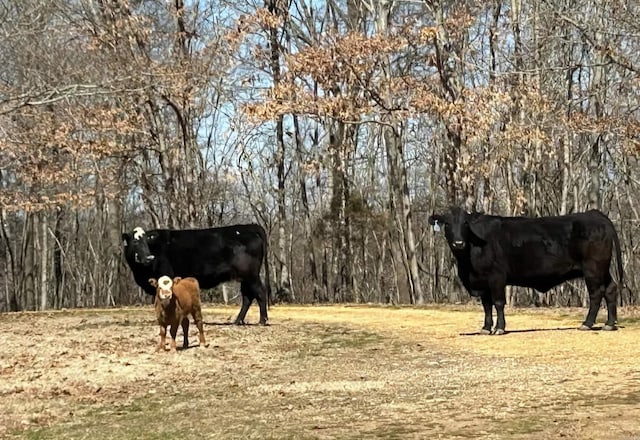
<point x="483" y="227"/>
<point x="176" y="280"/>
<point x="153" y="282"/>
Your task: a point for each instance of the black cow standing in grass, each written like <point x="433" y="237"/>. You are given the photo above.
<point x="493" y="252"/>
<point x="212" y="256"/>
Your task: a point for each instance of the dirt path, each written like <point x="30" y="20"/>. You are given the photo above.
<point x="320" y="372"/>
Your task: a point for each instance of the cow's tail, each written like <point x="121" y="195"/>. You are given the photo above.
<point x="265" y="257"/>
<point x="616" y="241"/>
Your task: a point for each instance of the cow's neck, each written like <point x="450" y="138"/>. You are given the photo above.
<point x="463" y="257"/>
<point x="169" y="308"/>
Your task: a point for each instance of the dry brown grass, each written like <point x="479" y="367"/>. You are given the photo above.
<point x="320" y="372"/>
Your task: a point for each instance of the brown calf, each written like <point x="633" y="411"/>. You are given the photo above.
<point x="175" y="300"/>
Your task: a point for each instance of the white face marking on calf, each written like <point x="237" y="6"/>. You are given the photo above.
<point x="164" y="287"/>
<point x="138" y="233"/>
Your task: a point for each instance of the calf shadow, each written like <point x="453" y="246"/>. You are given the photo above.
<point x="190" y="347"/>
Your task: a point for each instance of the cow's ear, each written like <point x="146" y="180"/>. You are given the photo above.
<point x="176" y="280"/>
<point x="126" y="238"/>
<point x="152" y="236"/>
<point x="153" y="282"/>
<point x="483" y="227"/>
<point x="437" y="218"/>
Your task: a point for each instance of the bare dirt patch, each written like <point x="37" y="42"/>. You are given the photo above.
<point x="320" y="372"/>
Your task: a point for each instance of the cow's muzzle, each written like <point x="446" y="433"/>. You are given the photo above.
<point x="458" y="244"/>
<point x="146" y="260"/>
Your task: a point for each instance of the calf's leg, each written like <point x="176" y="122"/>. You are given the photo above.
<point x="185" y="332"/>
<point x="197" y="317"/>
<point x="174" y="331"/>
<point x="163" y="338"/>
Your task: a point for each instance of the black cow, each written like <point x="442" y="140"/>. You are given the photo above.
<point x="212" y="256"/>
<point x="541" y="253"/>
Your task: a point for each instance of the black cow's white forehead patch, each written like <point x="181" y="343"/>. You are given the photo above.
<point x="138" y="232"/>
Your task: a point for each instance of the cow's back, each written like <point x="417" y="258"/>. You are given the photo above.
<point x="208" y="254"/>
<point x="187" y="292"/>
<point x="544" y="251"/>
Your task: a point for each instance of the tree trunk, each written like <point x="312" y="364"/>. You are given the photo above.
<point x="400" y="201"/>
<point x="11" y="276"/>
<point x="27" y="286"/>
<point x="44" y="259"/>
<point x="283" y="278"/>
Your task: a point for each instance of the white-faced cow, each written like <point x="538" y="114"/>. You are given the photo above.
<point x="176" y="299"/>
<point x="493" y="252"/>
<point x="212" y="256"/>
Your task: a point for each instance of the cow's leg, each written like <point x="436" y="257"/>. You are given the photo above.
<point x="499" y="300"/>
<point x="247" y="297"/>
<point x="596" y="289"/>
<point x="174" y="332"/>
<point x="185" y="332"/>
<point x="611" y="297"/>
<point x="251" y="289"/>
<point x="261" y="296"/>
<point x="501" y="323"/>
<point x="163" y="338"/>
<point x="197" y="317"/>
<point x="487" y="305"/>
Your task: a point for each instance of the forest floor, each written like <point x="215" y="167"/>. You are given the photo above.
<point x="320" y="372"/>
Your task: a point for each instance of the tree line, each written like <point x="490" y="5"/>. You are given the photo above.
<point x="338" y="125"/>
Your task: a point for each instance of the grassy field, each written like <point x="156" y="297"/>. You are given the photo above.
<point x="322" y="372"/>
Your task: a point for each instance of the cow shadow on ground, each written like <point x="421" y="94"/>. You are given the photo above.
<point x="232" y="324"/>
<point x="190" y="347"/>
<point x="533" y="330"/>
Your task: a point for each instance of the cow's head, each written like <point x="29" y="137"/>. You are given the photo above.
<point x="136" y="247"/>
<point x="164" y="288"/>
<point x="462" y="227"/>
<point x="456" y="226"/>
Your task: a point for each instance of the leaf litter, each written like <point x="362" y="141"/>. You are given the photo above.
<point x="320" y="372"/>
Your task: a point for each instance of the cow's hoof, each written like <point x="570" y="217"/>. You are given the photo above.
<point x="238" y="322"/>
<point x="584" y="327"/>
<point x="499" y="331"/>
<point x="484" y="331"/>
<point x="610" y="328"/>
<point x="264" y="323"/>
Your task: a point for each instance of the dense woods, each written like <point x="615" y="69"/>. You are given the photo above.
<point x="338" y="125"/>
